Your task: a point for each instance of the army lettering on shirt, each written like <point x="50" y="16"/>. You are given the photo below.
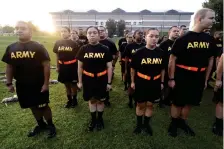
<point x="26" y="60"/>
<point x="147" y="61"/>
<point x="111" y="46"/>
<point x="131" y="49"/>
<point x="94" y="57"/>
<point x="66" y="49"/>
<point x="194" y="49"/>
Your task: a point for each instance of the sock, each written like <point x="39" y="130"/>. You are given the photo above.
<point x="139" y="121"/>
<point x="100" y="115"/>
<point x="40" y="122"/>
<point x="93" y="115"/>
<point x="125" y="84"/>
<point x="175" y="120"/>
<point x="219" y="122"/>
<point x="146" y="120"/>
<point x="69" y="97"/>
<point x="50" y="122"/>
<point x="130" y="99"/>
<point x="74" y="97"/>
<point x="107" y="96"/>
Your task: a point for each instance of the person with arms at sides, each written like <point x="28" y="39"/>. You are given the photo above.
<point x="166" y="47"/>
<point x="29" y="63"/>
<point x="183" y="30"/>
<point x="128" y="53"/>
<point x="147" y="79"/>
<point x="123" y="39"/>
<point x="95" y="72"/>
<point x="190" y="64"/>
<point x="113" y="50"/>
<point x="82" y="37"/>
<point x="75" y="37"/>
<point x="129" y="39"/>
<point x="218" y="99"/>
<point x="66" y="50"/>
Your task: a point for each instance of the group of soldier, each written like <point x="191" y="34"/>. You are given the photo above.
<point x="175" y="70"/>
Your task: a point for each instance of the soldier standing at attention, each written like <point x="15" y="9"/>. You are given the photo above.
<point x="190" y="64"/>
<point x="29" y="63"/>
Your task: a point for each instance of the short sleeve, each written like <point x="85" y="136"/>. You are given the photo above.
<point x="176" y="48"/>
<point x="134" y="61"/>
<point x="127" y="51"/>
<point x="113" y="49"/>
<point x="108" y="56"/>
<point x="43" y="54"/>
<point x="164" y="60"/>
<point x="80" y="54"/>
<point x="214" y="50"/>
<point x="55" y="49"/>
<point x="6" y="57"/>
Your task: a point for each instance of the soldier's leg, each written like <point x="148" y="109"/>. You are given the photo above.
<point x="147" y="117"/>
<point x="218" y="125"/>
<point x="74" y="94"/>
<point x="100" y="109"/>
<point x="92" y="109"/>
<point x="140" y="111"/>
<point x="69" y="95"/>
<point x="175" y="114"/>
<point x="48" y="117"/>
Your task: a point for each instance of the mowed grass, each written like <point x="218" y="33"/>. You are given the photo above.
<point x="119" y="120"/>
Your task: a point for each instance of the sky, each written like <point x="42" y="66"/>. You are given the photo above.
<point x="37" y="11"/>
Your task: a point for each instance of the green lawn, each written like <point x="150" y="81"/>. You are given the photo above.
<point x="119" y="121"/>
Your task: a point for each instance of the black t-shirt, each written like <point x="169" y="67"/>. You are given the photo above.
<point x="94" y="57"/>
<point x="166" y="46"/>
<point x="111" y="46"/>
<point x="219" y="45"/>
<point x="83" y="39"/>
<point x="26" y="60"/>
<point x="121" y="41"/>
<point x="66" y="49"/>
<point x="194" y="49"/>
<point x="148" y="62"/>
<point x="131" y="49"/>
<point x="122" y="49"/>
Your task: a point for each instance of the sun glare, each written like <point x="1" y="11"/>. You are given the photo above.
<point x="45" y="23"/>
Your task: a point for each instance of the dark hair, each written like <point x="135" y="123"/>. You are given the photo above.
<point x="151" y="29"/>
<point x="102" y="27"/>
<point x="161" y="39"/>
<point x="172" y="27"/>
<point x="138" y="30"/>
<point x="68" y="29"/>
<point x="183" y="26"/>
<point x="74" y="30"/>
<point x="27" y="24"/>
<point x="92" y="27"/>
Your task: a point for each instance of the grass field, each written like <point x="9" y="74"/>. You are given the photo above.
<point x="119" y="121"/>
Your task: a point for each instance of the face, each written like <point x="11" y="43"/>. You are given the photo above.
<point x="92" y="35"/>
<point x="139" y="35"/>
<point x="165" y="38"/>
<point x="23" y="32"/>
<point x="80" y="31"/>
<point x="208" y="21"/>
<point x="74" y="35"/>
<point x="183" y="30"/>
<point x="129" y="38"/>
<point x="65" y="33"/>
<point x="102" y="32"/>
<point x="174" y="33"/>
<point x="152" y="38"/>
<point x="217" y="35"/>
<point x="125" y="33"/>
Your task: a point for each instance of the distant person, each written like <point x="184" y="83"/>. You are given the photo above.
<point x="183" y="30"/>
<point x="94" y="73"/>
<point x="113" y="50"/>
<point x="29" y="63"/>
<point x="162" y="39"/>
<point x="123" y="39"/>
<point x="75" y="37"/>
<point x="82" y="37"/>
<point x="66" y="50"/>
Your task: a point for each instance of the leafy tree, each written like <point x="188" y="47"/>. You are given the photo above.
<point x="8" y="29"/>
<point x="120" y="27"/>
<point x="111" y="26"/>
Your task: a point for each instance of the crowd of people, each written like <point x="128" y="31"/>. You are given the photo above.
<point x="175" y="69"/>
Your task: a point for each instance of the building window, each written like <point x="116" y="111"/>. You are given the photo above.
<point x="101" y="23"/>
<point x="140" y="23"/>
<point x="128" y="23"/>
<point x="134" y="23"/>
<point x="96" y="23"/>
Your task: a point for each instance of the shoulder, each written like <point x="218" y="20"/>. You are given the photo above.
<point x="11" y="46"/>
<point x="36" y="44"/>
<point x="142" y="49"/>
<point x="103" y="46"/>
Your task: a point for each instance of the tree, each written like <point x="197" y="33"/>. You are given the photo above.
<point x="111" y="26"/>
<point x="8" y="29"/>
<point x="34" y="27"/>
<point x="120" y="27"/>
<point x="217" y="6"/>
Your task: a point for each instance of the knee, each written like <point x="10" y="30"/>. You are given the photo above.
<point x="92" y="101"/>
<point x="149" y="105"/>
<point x="141" y="106"/>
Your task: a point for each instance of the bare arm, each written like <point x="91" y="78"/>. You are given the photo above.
<point x="115" y="57"/>
<point x="109" y="71"/>
<point x="219" y="71"/>
<point x="80" y="70"/>
<point x="46" y="65"/>
<point x="9" y="73"/>
<point x="171" y="66"/>
<point x="132" y="75"/>
<point x="209" y="69"/>
<point x="162" y="75"/>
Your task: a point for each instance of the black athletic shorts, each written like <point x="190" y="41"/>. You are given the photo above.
<point x="189" y="87"/>
<point x="147" y="90"/>
<point x="218" y="96"/>
<point x="95" y="88"/>
<point x="29" y="95"/>
<point x="122" y="66"/>
<point x="68" y="73"/>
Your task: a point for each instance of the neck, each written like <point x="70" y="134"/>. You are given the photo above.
<point x="151" y="47"/>
<point x="102" y="38"/>
<point x="24" y="41"/>
<point x="197" y="29"/>
<point x="94" y="43"/>
<point x="170" y="38"/>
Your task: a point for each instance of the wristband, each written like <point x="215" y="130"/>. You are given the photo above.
<point x="8" y="84"/>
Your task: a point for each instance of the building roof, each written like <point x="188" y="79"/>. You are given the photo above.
<point x="121" y="11"/>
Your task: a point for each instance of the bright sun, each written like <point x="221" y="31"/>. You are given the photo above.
<point x="45" y="23"/>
